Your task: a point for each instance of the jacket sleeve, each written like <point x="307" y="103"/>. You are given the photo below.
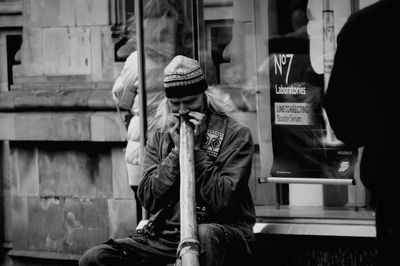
<point x="221" y="182"/>
<point x="159" y="176"/>
<point x="349" y="101"/>
<point x="125" y="86"/>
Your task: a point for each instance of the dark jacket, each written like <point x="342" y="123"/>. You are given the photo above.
<point x="222" y="172"/>
<point x="360" y="100"/>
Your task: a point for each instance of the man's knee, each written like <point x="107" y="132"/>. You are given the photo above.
<point x="223" y="243"/>
<point x="210" y="234"/>
<point x="93" y="256"/>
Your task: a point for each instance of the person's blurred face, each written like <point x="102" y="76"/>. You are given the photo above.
<point x="186" y="104"/>
<point x="160" y="34"/>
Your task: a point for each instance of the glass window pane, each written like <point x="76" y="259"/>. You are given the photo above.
<point x="273" y="58"/>
<point x="167" y="29"/>
<point x="236" y="35"/>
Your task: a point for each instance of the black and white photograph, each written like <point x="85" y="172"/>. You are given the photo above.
<point x="199" y="133"/>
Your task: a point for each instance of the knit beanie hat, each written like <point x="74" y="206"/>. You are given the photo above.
<point x="183" y="77"/>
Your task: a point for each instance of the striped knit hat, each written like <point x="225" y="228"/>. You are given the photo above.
<point x="183" y="77"/>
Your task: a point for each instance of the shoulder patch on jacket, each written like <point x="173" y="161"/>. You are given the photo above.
<point x="213" y="141"/>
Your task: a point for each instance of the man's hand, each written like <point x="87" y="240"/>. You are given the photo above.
<point x="199" y="122"/>
<point x="174" y="124"/>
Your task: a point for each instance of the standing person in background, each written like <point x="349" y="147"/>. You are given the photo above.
<point x="166" y="34"/>
<point x="164" y="29"/>
<point x="362" y="109"/>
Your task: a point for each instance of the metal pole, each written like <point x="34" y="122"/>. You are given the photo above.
<point x="141" y="79"/>
<point x="195" y="33"/>
<point x="329" y="39"/>
<point x="329" y="48"/>
<point x="301" y="180"/>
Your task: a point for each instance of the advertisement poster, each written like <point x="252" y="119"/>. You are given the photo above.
<point x="301" y="145"/>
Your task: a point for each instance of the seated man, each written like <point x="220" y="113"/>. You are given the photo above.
<point x="223" y="158"/>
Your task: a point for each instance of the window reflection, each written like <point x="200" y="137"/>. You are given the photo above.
<point x="268" y="58"/>
<point x="301" y="144"/>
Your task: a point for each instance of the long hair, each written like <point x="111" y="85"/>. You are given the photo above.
<point x="217" y="102"/>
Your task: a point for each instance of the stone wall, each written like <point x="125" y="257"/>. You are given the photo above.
<point x="66" y="43"/>
<point x="67" y="187"/>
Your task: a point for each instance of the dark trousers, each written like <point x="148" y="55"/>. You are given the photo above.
<point x="387" y="229"/>
<point x="219" y="245"/>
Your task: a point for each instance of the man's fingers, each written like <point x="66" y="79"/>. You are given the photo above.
<point x="173" y="121"/>
<point x="196" y="115"/>
<point x="194" y="122"/>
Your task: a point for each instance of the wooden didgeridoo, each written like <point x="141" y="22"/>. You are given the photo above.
<point x="188" y="247"/>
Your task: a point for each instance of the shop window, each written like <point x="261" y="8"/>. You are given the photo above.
<point x="10" y="44"/>
<point x="269" y="58"/>
<point x="123" y="28"/>
<point x="167" y="31"/>
<point x="219" y="36"/>
<point x="13" y="43"/>
<point x="158" y="24"/>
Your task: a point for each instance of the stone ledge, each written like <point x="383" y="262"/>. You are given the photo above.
<point x="43" y="255"/>
<point x="11" y="8"/>
<point x="337" y="230"/>
<point x="62" y="126"/>
<point x="10" y="14"/>
<point x="57" y="99"/>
